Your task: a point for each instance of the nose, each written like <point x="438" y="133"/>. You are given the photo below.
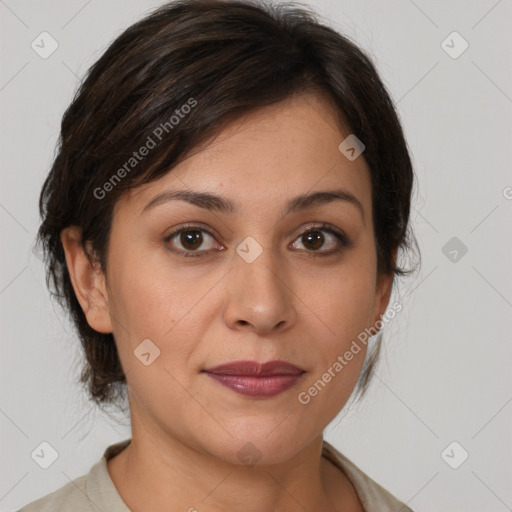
<point x="260" y="295"/>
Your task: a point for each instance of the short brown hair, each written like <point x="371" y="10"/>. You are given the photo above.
<point x="230" y="57"/>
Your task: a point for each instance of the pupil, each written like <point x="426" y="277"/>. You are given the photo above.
<point x="191" y="239"/>
<point x="315" y="238"/>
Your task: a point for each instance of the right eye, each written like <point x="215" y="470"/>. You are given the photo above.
<point x="190" y="238"/>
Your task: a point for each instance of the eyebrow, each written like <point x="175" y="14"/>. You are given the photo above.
<point x="223" y="205"/>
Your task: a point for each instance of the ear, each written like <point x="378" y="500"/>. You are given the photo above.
<point x="383" y="293"/>
<point x="88" y="281"/>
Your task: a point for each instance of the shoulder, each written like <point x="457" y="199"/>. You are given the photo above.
<point x="87" y="493"/>
<point x="70" y="497"/>
<point x="372" y="495"/>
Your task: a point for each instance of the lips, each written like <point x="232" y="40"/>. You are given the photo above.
<point x="255" y="379"/>
<point x="255" y="369"/>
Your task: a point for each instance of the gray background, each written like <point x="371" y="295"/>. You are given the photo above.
<point x="445" y="374"/>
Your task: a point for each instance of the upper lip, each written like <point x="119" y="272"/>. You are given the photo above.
<point x="255" y="369"/>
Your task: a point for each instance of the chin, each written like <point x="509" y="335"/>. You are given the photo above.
<point x="258" y="442"/>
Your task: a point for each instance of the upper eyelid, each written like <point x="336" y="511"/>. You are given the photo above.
<point x="189" y="228"/>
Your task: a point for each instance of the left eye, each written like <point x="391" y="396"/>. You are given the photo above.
<point x="313" y="239"/>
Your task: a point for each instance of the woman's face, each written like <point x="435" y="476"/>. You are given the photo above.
<point x="260" y="281"/>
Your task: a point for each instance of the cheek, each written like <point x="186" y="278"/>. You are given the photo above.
<point x="344" y="300"/>
<point x="146" y="292"/>
<point x="156" y="301"/>
<point x="156" y="317"/>
<point x="339" y="350"/>
<point x="341" y="309"/>
<point x="346" y="313"/>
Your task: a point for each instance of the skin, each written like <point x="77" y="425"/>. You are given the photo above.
<point x="204" y="311"/>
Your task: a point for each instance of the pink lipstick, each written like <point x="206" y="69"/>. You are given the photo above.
<point x="255" y="379"/>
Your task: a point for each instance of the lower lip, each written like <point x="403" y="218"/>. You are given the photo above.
<point x="262" y="387"/>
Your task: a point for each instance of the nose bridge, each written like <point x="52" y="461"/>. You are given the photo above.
<point x="259" y="295"/>
<point x="258" y="267"/>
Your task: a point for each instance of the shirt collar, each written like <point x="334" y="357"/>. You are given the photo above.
<point x="100" y="489"/>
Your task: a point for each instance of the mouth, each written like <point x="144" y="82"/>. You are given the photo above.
<point x="259" y="380"/>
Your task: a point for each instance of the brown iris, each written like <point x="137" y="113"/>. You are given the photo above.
<point x="313" y="237"/>
<point x="191" y="239"/>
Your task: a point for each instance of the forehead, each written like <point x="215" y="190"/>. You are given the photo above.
<point x="266" y="157"/>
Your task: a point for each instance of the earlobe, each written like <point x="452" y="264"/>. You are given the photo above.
<point x="88" y="281"/>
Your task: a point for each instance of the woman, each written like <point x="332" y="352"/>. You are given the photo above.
<point x="222" y="221"/>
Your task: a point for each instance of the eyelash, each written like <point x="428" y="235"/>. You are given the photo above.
<point x="339" y="235"/>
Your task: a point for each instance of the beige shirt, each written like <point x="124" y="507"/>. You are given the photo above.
<point x="95" y="491"/>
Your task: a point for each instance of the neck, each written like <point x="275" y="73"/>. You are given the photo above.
<point x="154" y="473"/>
